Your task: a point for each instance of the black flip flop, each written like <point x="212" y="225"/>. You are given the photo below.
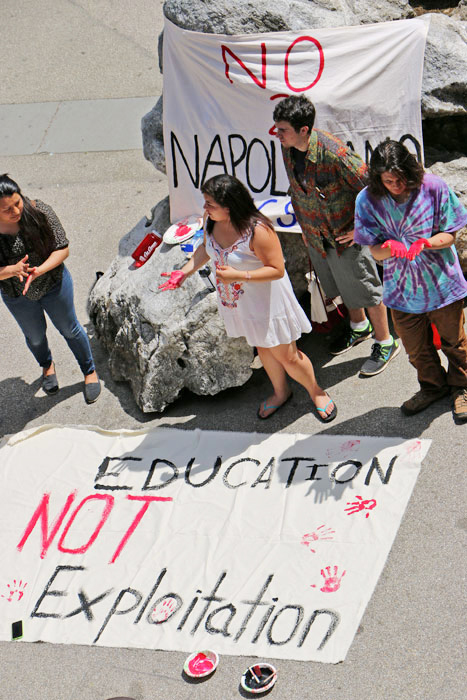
<point x="320" y="413"/>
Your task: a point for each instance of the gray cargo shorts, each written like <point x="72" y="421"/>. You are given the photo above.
<point x="353" y="275"/>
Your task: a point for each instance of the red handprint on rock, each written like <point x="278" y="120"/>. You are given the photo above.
<point x="321" y="533"/>
<point x="359" y="505"/>
<point x="163" y="610"/>
<point x="16" y="589"/>
<point x="332" y="582"/>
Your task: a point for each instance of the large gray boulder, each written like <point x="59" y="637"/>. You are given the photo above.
<point x="163" y="342"/>
<point x="455" y="174"/>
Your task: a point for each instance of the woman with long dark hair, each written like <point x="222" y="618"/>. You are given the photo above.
<point x="255" y="297"/>
<point x="34" y="280"/>
<point x="409" y="219"/>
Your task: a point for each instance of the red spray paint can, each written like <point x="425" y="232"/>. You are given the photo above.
<point x="146" y="248"/>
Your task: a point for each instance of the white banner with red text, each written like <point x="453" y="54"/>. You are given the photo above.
<point x="250" y="544"/>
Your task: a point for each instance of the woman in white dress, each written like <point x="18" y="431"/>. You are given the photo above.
<point x="254" y="294"/>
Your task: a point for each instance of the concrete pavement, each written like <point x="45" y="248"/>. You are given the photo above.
<point x="66" y="55"/>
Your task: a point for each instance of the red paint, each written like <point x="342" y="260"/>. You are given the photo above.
<point x="359" y="505"/>
<point x="260" y="83"/>
<point x="137" y="519"/>
<point x="164" y="610"/>
<point x="319" y="534"/>
<point x="200" y="664"/>
<point x="436" y="337"/>
<point x="321" y="63"/>
<point x="42" y="512"/>
<point x="16" y="589"/>
<point x="182" y="230"/>
<point x="109" y="502"/>
<point x="332" y="581"/>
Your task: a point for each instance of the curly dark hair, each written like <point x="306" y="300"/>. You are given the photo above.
<point x="228" y="191"/>
<point x="393" y="157"/>
<point x="33" y="224"/>
<point x="297" y="110"/>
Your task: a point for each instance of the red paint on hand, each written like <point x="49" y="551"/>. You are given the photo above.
<point x="398" y="249"/>
<point x="176" y="278"/>
<point x="417" y="247"/>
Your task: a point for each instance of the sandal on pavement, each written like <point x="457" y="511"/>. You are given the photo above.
<point x="265" y="407"/>
<point x="321" y="414"/>
<point x="50" y="383"/>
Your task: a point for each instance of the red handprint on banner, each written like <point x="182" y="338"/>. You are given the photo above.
<point x="360" y="504"/>
<point x="321" y="533"/>
<point x="164" y="610"/>
<point x="16" y="589"/>
<point x="332" y="581"/>
<point x="343" y="450"/>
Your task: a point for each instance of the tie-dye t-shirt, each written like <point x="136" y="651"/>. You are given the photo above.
<point x="434" y="278"/>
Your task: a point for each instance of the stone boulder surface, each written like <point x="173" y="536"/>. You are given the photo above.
<point x="455" y="174"/>
<point x="163" y="342"/>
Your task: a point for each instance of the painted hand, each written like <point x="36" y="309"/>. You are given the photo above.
<point x="417" y="247"/>
<point x="31" y="276"/>
<point x="176" y="278"/>
<point x="398" y="249"/>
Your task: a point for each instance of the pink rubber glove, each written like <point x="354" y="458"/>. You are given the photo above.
<point x="398" y="249"/>
<point x="176" y="277"/>
<point x="417" y="247"/>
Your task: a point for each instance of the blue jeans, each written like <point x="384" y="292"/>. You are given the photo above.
<point x="58" y="303"/>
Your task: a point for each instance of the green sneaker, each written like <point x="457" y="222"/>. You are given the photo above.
<point x="349" y="338"/>
<point x="380" y="357"/>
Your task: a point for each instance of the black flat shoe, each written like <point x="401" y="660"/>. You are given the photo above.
<point x="92" y="391"/>
<point x="50" y="383"/>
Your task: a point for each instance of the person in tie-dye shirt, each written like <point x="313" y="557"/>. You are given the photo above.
<point x="409" y="219"/>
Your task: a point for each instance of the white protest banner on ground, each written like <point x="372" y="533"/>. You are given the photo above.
<point x="220" y="92"/>
<point x="251" y="544"/>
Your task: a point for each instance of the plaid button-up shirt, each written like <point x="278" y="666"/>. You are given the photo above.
<point x="324" y="203"/>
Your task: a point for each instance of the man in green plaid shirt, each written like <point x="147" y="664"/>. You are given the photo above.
<point x="325" y="177"/>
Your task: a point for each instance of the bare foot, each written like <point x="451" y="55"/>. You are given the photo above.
<point x="272" y="404"/>
<point x="91" y="378"/>
<point x="50" y="370"/>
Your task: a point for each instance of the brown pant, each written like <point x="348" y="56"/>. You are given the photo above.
<point x="417" y="337"/>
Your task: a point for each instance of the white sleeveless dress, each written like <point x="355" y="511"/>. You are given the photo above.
<point x="265" y="313"/>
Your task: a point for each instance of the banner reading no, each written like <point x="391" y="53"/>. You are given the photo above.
<point x="263" y="545"/>
<point x="220" y="92"/>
